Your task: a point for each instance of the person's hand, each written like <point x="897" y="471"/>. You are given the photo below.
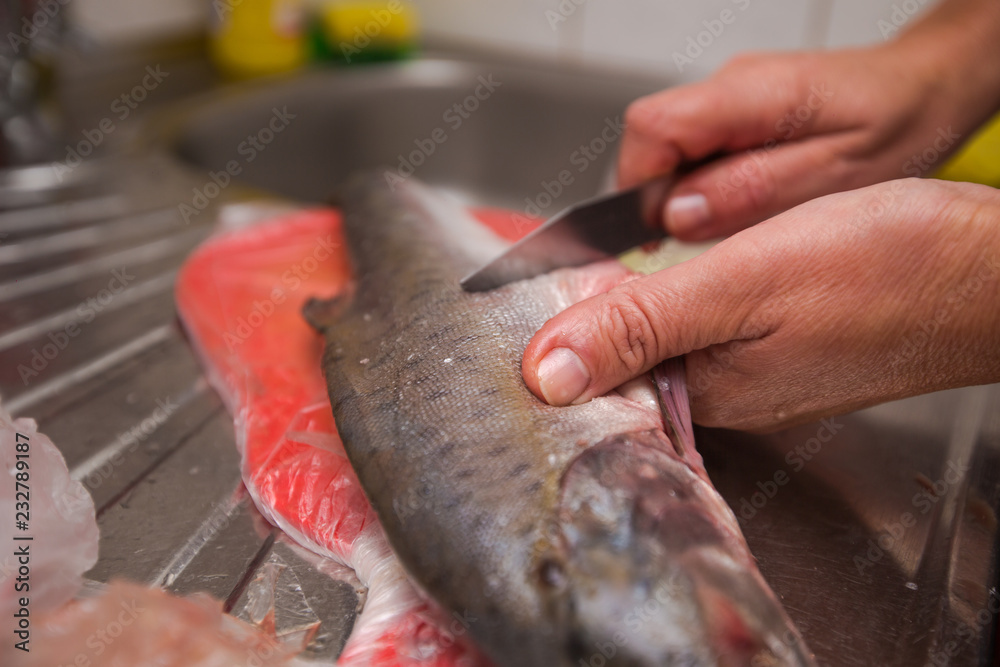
<point x="788" y="128"/>
<point x="840" y="303"/>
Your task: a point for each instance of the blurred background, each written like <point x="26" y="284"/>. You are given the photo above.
<point x="666" y="41"/>
<point x="641" y="34"/>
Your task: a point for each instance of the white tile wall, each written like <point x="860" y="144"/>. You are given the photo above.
<point x="123" y="21"/>
<point x="854" y="22"/>
<point x="646" y="34"/>
<point x="641" y="34"/>
<point x="686" y="39"/>
<point x="520" y="25"/>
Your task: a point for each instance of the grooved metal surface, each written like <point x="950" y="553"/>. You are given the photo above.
<point x="90" y="347"/>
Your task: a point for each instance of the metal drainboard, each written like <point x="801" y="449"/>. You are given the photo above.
<point x="126" y="402"/>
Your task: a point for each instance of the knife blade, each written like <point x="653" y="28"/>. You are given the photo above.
<point x="598" y="228"/>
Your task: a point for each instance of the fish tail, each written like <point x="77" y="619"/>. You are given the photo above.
<point x="671" y="386"/>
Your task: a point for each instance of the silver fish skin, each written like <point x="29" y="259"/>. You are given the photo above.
<point x="566" y="536"/>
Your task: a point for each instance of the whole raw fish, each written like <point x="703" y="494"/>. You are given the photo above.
<point x="582" y="535"/>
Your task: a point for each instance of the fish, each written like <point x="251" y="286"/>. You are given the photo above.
<point x="556" y="536"/>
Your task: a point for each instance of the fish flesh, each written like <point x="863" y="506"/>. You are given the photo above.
<point x="263" y="359"/>
<point x="580" y="535"/>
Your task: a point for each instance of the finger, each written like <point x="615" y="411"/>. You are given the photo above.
<point x="740" y="190"/>
<point x="601" y="342"/>
<point x="744" y="106"/>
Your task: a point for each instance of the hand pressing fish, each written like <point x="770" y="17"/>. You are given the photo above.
<point x="558" y="535"/>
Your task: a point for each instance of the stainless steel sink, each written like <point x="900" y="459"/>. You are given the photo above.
<point x="495" y="135"/>
<point x="830" y="537"/>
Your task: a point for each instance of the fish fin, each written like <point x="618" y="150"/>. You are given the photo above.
<point x="321" y="314"/>
<point x="745" y="622"/>
<point x="671" y="386"/>
<point x="578" y="284"/>
<point x="735" y="642"/>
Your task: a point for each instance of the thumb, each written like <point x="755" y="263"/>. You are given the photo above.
<point x="602" y="342"/>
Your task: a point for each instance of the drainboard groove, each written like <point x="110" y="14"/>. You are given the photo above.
<point x="84" y="394"/>
<point x="88" y="237"/>
<point x="251" y="571"/>
<point x="108" y="452"/>
<point x="58" y="215"/>
<point x="216" y="520"/>
<point x="90" y="369"/>
<point x="138" y="479"/>
<point x="73" y="272"/>
<point x="38" y="327"/>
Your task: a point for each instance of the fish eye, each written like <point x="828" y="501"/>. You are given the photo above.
<point x="551" y="574"/>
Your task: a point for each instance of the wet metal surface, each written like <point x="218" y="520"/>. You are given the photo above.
<point x="90" y="347"/>
<point x="878" y="529"/>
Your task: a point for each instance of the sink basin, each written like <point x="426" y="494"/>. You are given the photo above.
<point x="494" y="135"/>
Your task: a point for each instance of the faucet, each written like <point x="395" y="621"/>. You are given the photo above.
<point x="30" y="31"/>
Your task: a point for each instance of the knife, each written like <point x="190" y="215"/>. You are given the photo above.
<point x="598" y="228"/>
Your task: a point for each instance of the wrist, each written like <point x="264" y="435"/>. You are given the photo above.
<point x="955" y="53"/>
<point x="974" y="294"/>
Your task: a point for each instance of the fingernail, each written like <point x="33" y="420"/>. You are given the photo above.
<point x="562" y="377"/>
<point x="687" y="212"/>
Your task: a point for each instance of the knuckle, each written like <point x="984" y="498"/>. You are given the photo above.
<point x="628" y="329"/>
<point x="641" y="116"/>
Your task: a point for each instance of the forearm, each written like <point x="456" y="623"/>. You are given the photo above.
<point x="956" y="48"/>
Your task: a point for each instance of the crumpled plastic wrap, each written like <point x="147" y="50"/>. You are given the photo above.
<point x="58" y="517"/>
<point x="131" y="625"/>
<point x="240" y="297"/>
<point x="127" y="624"/>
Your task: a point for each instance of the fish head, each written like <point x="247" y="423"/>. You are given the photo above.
<point x="650" y="568"/>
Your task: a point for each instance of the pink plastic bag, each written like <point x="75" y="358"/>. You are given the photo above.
<point x="240" y="297"/>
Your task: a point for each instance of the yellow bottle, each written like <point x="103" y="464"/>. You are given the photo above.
<point x="257" y="37"/>
<point x="979" y="160"/>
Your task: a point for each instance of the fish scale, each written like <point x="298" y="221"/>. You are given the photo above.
<point x="507" y="510"/>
